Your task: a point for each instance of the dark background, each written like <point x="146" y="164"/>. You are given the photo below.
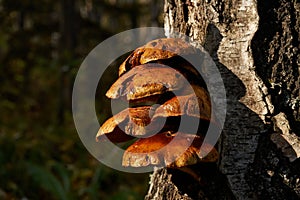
<point x="42" y="44"/>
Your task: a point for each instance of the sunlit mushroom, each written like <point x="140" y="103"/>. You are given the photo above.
<point x="130" y="120"/>
<point x="157" y="150"/>
<point x="195" y="104"/>
<point x="157" y="50"/>
<point x="146" y="80"/>
<point x="162" y="88"/>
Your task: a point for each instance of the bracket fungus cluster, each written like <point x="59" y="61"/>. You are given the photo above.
<point x="161" y="88"/>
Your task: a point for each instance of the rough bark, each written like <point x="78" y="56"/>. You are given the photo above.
<point x="255" y="46"/>
<point x="175" y="184"/>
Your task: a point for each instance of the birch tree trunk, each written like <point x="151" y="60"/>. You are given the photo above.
<point x="255" y="45"/>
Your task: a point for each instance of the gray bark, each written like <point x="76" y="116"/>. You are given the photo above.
<point x="255" y="46"/>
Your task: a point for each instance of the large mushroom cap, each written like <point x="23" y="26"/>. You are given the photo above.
<point x="155" y="151"/>
<point x="146" y="80"/>
<point x="154" y="50"/>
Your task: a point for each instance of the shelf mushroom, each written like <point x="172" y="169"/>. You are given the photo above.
<point x="159" y="151"/>
<point x="160" y="51"/>
<point x="146" y="80"/>
<point x="146" y="120"/>
<point x="158" y="93"/>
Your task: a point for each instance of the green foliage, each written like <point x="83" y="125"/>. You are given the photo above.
<point x="58" y="168"/>
<point x="126" y="194"/>
<point x="49" y="182"/>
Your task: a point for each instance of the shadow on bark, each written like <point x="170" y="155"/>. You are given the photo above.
<point x="272" y="175"/>
<point x="275" y="48"/>
<point x="237" y="144"/>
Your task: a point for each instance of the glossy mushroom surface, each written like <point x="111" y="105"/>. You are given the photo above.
<point x="146" y="80"/>
<point x="195" y="104"/>
<point x="158" y="151"/>
<point x="159" y="49"/>
<point x="131" y="121"/>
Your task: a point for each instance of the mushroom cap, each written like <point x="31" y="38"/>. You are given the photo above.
<point x="163" y="48"/>
<point x="130" y="120"/>
<point x="195" y="104"/>
<point x="110" y="129"/>
<point x="155" y="151"/>
<point x="133" y="122"/>
<point x="146" y="80"/>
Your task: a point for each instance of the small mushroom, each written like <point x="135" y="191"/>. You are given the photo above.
<point x="194" y="104"/>
<point x="131" y="121"/>
<point x="155" y="151"/>
<point x="146" y="80"/>
<point x="110" y="129"/>
<point x="159" y="49"/>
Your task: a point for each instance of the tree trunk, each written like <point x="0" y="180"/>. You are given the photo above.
<point x="255" y="45"/>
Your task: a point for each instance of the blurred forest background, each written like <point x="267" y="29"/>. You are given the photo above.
<point x="42" y="44"/>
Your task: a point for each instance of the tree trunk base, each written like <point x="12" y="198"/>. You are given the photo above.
<point x="175" y="184"/>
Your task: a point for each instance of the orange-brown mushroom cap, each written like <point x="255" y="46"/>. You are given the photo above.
<point x="146" y="80"/>
<point x="131" y="120"/>
<point x="195" y="104"/>
<point x="110" y="129"/>
<point x="163" y="48"/>
<point x="156" y="151"/>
